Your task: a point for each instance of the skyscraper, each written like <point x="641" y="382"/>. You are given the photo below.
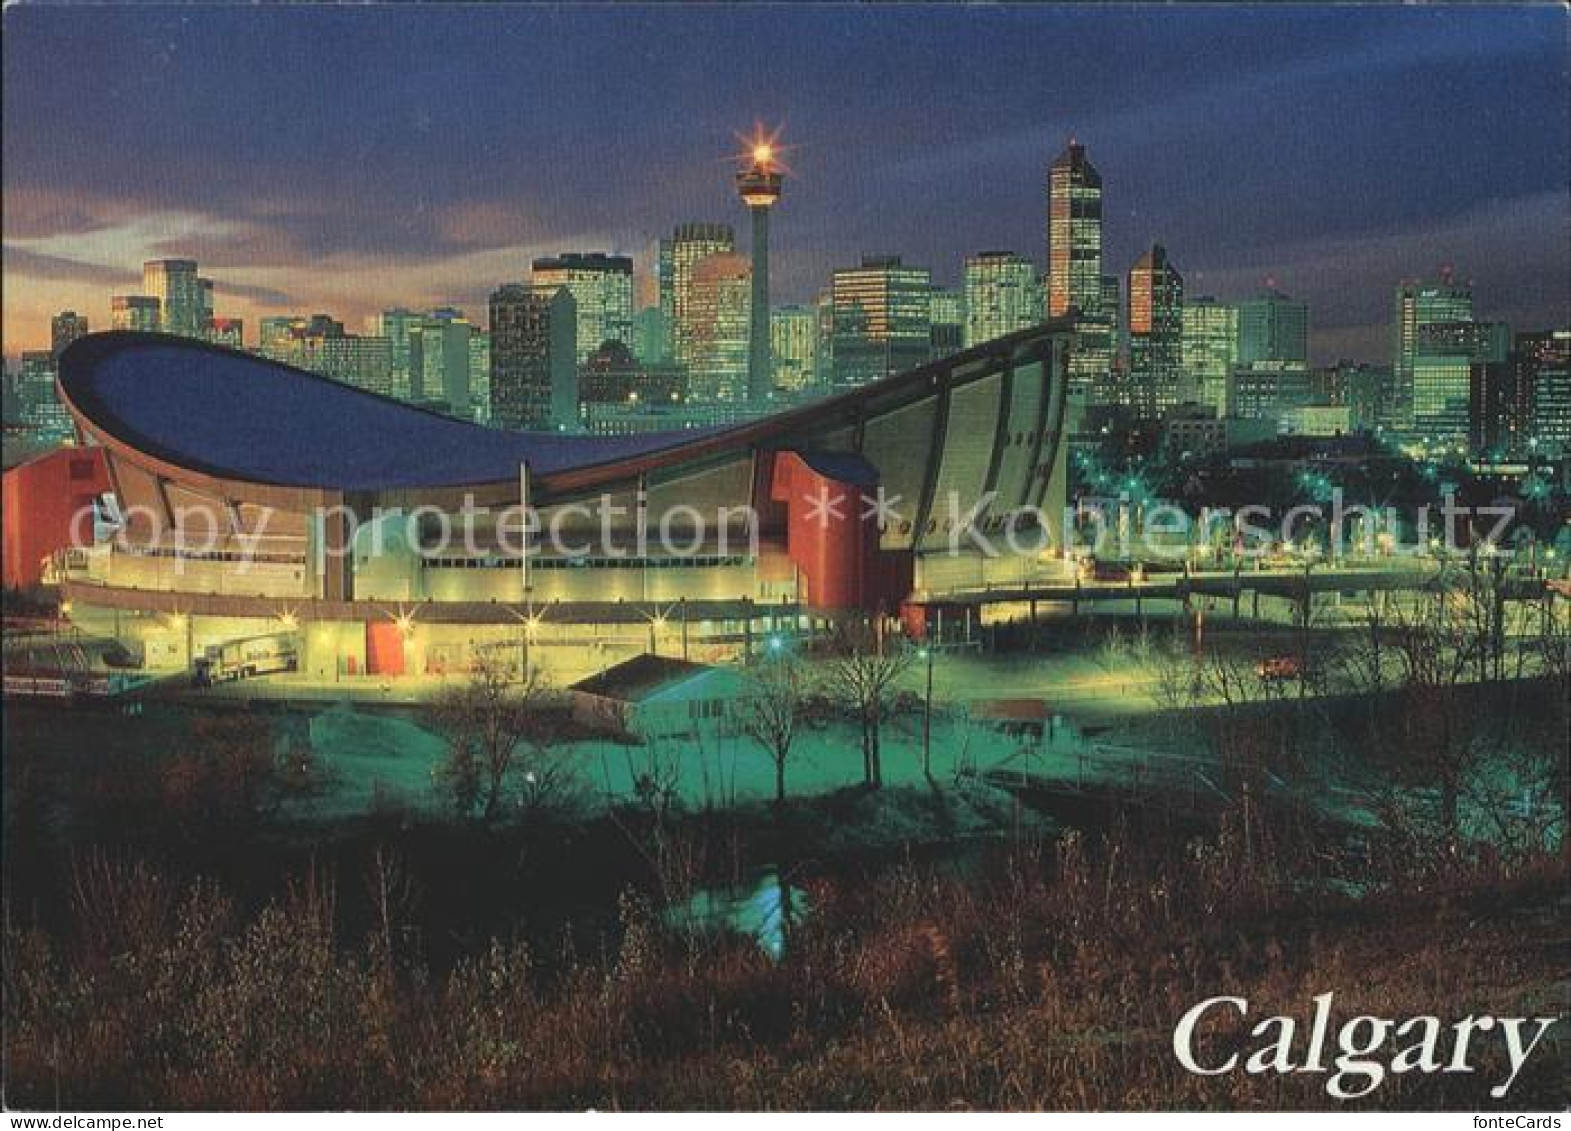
<point x="689" y="244"/>
<point x="1075" y="284"/>
<point x="1418" y="305"/>
<point x="480" y="376"/>
<point x="602" y="290"/>
<point x="719" y="310"/>
<point x="1156" y="352"/>
<point x="394" y="326"/>
<point x="363" y="361"/>
<point x="758" y="183"/>
<point x="947" y="313"/>
<point x="1442" y="384"/>
<point x="65" y="328"/>
<point x="439" y="360"/>
<point x="134" y="312"/>
<point x="1273" y="327"/>
<point x="1268" y="390"/>
<point x="204" y="313"/>
<point x="883" y="316"/>
<point x="42" y="412"/>
<point x="320" y="345"/>
<point x="534" y="351"/>
<point x="1074" y="234"/>
<point x="1210" y="350"/>
<point x="1001" y="295"/>
<point x="793" y="332"/>
<point x="1363" y="389"/>
<point x="1549" y="357"/>
<point x="275" y="335"/>
<point x="183" y="309"/>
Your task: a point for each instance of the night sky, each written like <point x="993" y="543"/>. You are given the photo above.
<point x="353" y="158"/>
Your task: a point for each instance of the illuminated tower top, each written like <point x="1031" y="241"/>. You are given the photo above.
<point x="759" y="179"/>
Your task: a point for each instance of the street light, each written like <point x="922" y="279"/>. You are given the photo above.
<point x="927" y="713"/>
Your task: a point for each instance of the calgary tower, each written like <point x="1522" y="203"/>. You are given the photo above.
<point x="758" y="182"/>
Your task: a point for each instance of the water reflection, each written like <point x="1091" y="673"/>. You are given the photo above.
<point x="766" y="912"/>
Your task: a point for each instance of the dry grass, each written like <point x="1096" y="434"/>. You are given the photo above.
<point x="1050" y="977"/>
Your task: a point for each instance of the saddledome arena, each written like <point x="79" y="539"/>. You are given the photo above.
<point x="252" y="498"/>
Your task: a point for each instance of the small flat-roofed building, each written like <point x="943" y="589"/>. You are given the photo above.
<point x="659" y="697"/>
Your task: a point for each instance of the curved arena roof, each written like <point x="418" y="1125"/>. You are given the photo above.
<point x="237" y="416"/>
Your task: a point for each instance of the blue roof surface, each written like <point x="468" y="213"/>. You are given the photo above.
<point x="238" y="416"/>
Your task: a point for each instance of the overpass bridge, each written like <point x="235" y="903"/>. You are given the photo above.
<point x="1287" y="583"/>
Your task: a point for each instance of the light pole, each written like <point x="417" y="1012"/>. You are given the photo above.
<point x="927" y="715"/>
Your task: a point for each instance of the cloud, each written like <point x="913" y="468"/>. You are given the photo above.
<point x="21" y="263"/>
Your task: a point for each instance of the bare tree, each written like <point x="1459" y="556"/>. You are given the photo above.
<point x="485" y="720"/>
<point x="230" y="773"/>
<point x="861" y="672"/>
<point x="772" y="711"/>
<point x="546" y="779"/>
<point x="1426" y="650"/>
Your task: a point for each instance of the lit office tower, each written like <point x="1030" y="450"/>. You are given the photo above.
<point x="204" y="315"/>
<point x="947" y="310"/>
<point x="394" y="326"/>
<point x="534" y="350"/>
<point x="1443" y="362"/>
<point x="1420" y="304"/>
<point x="65" y="328"/>
<point x="480" y="377"/>
<point x="1112" y="316"/>
<point x="1156" y="357"/>
<point x="824" y="309"/>
<point x="1273" y="327"/>
<point x="758" y="183"/>
<point x="602" y="290"/>
<point x="1001" y="296"/>
<point x="1074" y="266"/>
<point x="174" y="283"/>
<point x="678" y="255"/>
<point x="133" y="312"/>
<point x="276" y="334"/>
<point x="360" y="360"/>
<point x="1500" y="408"/>
<point x="439" y="360"/>
<point x="1548" y="356"/>
<point x="793" y="346"/>
<point x="1210" y="350"/>
<point x="719" y="310"/>
<point x="318" y="344"/>
<point x="1074" y="234"/>
<point x="883" y="314"/>
<point x="42" y="413"/>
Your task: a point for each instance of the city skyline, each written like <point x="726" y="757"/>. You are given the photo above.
<point x="467" y="192"/>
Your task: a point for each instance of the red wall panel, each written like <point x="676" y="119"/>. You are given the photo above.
<point x="384" y="648"/>
<point x="42" y="500"/>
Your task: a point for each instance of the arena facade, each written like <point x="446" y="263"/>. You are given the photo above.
<point x="251" y="499"/>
